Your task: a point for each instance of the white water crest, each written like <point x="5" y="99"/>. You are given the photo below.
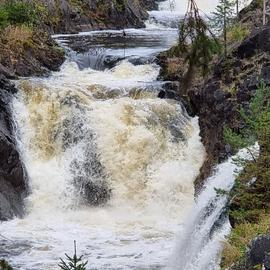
<point x="172" y="11"/>
<point x="147" y="150"/>
<point x="110" y="165"/>
<point x="199" y="245"/>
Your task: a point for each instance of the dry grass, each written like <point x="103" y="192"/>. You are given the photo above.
<point x="14" y="36"/>
<point x="240" y="238"/>
<point x="174" y="65"/>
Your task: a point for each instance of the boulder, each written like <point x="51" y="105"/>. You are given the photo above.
<point x="257" y="256"/>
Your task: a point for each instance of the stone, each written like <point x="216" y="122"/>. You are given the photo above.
<point x="267" y="261"/>
<point x="13" y="178"/>
<point x="259" y="41"/>
<point x="258" y="250"/>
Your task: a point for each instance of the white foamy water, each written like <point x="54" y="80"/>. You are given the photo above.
<point x="201" y="240"/>
<point x="146" y="149"/>
<point x="91" y="135"/>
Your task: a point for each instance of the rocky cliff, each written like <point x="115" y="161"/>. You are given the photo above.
<point x="65" y="16"/>
<point x="217" y="100"/>
<point x="12" y="173"/>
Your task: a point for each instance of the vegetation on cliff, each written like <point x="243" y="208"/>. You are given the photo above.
<point x="250" y="197"/>
<point x="235" y="95"/>
<point x="25" y="49"/>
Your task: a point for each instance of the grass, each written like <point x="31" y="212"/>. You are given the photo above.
<point x="15" y="39"/>
<point x="241" y="236"/>
<point x="237" y="33"/>
<point x="250" y="198"/>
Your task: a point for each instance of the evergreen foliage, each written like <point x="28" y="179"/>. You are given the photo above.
<point x="17" y="13"/>
<point x="222" y="19"/>
<point x="4" y="265"/>
<point x="250" y="197"/>
<point x="73" y="263"/>
<point x="196" y="43"/>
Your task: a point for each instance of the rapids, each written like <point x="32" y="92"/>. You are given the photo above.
<point x="110" y="165"/>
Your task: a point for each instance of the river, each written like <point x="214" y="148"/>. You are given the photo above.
<point x="110" y="164"/>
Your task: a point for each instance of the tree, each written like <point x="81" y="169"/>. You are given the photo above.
<point x="196" y="43"/>
<point x="73" y="263"/>
<point x="222" y="19"/>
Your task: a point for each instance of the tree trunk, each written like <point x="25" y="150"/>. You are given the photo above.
<point x="225" y="34"/>
<point x="187" y="80"/>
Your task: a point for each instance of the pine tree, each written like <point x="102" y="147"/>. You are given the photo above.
<point x="196" y="43"/>
<point x="73" y="263"/>
<point x="222" y="19"/>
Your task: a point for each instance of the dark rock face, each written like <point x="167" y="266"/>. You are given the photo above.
<point x="12" y="173"/>
<point x="258" y="255"/>
<point x="231" y="85"/>
<point x="259" y="40"/>
<point x="88" y="15"/>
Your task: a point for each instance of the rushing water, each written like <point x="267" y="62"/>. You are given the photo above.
<point x="110" y="165"/>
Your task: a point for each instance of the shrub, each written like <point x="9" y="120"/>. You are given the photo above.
<point x="237" y="33"/>
<point x="73" y="263"/>
<point x="4" y="265"/>
<point x="250" y="197"/>
<point x="3" y="17"/>
<point x="17" y="13"/>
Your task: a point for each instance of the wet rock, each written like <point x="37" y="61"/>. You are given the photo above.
<point x="12" y="172"/>
<point x="267" y="261"/>
<point x="141" y="60"/>
<point x="6" y="72"/>
<point x="95" y="194"/>
<point x="265" y="73"/>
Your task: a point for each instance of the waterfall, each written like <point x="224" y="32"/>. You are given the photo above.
<point x="172" y="11"/>
<point x="110" y="165"/>
<point x="200" y="243"/>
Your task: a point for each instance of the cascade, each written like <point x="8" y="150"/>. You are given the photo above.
<point x="110" y="165"/>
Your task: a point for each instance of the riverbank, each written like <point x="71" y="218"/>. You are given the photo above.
<point x="219" y="101"/>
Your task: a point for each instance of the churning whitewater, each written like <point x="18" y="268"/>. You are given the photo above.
<point x="110" y="165"/>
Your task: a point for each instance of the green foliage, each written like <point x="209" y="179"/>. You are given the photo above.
<point x="120" y="4"/>
<point x="237" y="33"/>
<point x="222" y="19"/>
<point x="250" y="197"/>
<point x="223" y="13"/>
<point x="17" y="13"/>
<point x="196" y="43"/>
<point x="257" y="121"/>
<point x="235" y="140"/>
<point x="4" y="265"/>
<point x="221" y="192"/>
<point x="3" y="18"/>
<point x="73" y="263"/>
